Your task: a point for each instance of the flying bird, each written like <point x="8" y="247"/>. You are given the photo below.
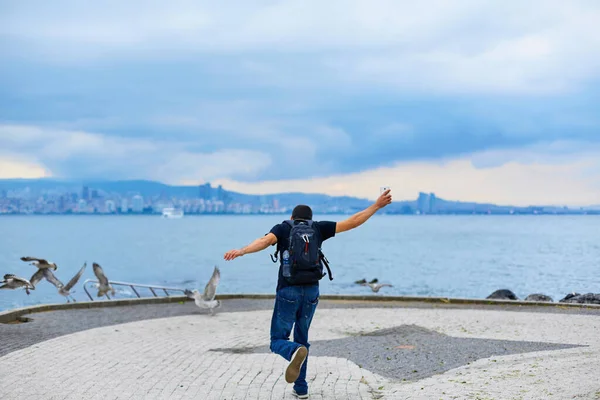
<point x="36" y="278"/>
<point x="12" y="281"/>
<point x="376" y="286"/>
<point x="64" y="290"/>
<point x="104" y="287"/>
<point x="40" y="262"/>
<point x="207" y="299"/>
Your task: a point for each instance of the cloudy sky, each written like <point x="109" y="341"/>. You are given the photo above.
<point x="473" y="100"/>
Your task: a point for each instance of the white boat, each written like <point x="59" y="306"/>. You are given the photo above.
<point x="171" y="212"/>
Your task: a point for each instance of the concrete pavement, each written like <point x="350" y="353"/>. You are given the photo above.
<point x="360" y="351"/>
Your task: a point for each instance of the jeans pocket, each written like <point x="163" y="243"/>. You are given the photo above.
<point x="309" y="309"/>
<point x="286" y="309"/>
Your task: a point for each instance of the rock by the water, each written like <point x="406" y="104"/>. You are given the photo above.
<point x="503" y="294"/>
<point x="538" y="297"/>
<point x="568" y="297"/>
<point x="588" y="298"/>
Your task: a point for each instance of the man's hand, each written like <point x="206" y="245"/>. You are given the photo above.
<point x="232" y="254"/>
<point x="362" y="216"/>
<point x="384" y="199"/>
<point x="259" y="244"/>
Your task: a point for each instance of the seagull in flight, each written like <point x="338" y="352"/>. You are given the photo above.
<point x="104" y="287"/>
<point x="376" y="286"/>
<point x="12" y="281"/>
<point x="64" y="290"/>
<point x="36" y="278"/>
<point x="207" y="299"/>
<point x="40" y="262"/>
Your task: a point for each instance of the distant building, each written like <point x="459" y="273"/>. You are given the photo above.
<point x="124" y="206"/>
<point x="432" y="203"/>
<point x="94" y="194"/>
<point x="220" y="193"/>
<point x="110" y="206"/>
<point x="218" y="206"/>
<point x="81" y="205"/>
<point x="423" y="203"/>
<point x="62" y="203"/>
<point x="137" y="204"/>
<point x="204" y="191"/>
<point x="85" y="193"/>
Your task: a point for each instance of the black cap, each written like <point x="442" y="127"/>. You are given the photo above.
<point x="302" y="212"/>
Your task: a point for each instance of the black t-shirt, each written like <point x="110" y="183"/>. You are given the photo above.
<point x="282" y="232"/>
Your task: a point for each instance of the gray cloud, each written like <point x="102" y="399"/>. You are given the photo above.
<point x="295" y="89"/>
<point x="80" y="154"/>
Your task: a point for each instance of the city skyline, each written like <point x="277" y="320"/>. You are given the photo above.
<point x="146" y="197"/>
<point x="482" y="101"/>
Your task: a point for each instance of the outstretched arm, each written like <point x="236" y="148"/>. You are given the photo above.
<point x="361" y="217"/>
<point x="257" y="245"/>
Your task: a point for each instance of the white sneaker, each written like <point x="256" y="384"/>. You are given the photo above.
<point x="293" y="370"/>
<point x="299" y="396"/>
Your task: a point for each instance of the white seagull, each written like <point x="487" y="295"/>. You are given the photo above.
<point x="104" y="287"/>
<point x="376" y="286"/>
<point x="12" y="281"/>
<point x="64" y="290"/>
<point x="207" y="299"/>
<point x="40" y="262"/>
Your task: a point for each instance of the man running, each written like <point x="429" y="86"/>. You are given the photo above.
<point x="300" y="270"/>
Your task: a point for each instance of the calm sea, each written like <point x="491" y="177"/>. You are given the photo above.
<point x="456" y="256"/>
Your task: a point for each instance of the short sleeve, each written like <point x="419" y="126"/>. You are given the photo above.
<point x="277" y="230"/>
<point x="327" y="229"/>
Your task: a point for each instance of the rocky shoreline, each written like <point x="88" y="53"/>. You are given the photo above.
<point x="587" y="298"/>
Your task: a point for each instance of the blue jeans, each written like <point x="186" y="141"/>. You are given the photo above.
<point x="294" y="306"/>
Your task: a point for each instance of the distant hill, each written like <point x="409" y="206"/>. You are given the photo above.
<point x="424" y="203"/>
<point x="153" y="189"/>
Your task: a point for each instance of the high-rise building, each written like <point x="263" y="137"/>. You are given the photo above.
<point x="85" y="193"/>
<point x="432" y="203"/>
<point x="81" y="205"/>
<point x="204" y="191"/>
<point x="220" y="193"/>
<point x="62" y="202"/>
<point x="423" y="203"/>
<point x="137" y="204"/>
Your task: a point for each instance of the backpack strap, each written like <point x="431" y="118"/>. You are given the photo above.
<point x="275" y="255"/>
<point x="326" y="263"/>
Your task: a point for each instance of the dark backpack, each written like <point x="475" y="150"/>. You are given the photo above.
<point x="306" y="258"/>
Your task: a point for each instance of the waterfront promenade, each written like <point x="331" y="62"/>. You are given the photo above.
<point x="360" y="350"/>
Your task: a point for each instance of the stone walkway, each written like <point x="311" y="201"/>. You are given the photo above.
<point x="356" y="353"/>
